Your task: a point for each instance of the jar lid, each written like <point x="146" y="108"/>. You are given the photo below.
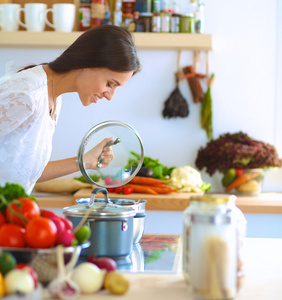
<point x="214" y="198"/>
<point x="146" y="14"/>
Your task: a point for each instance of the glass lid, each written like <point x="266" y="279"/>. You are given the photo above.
<point x="127" y="147"/>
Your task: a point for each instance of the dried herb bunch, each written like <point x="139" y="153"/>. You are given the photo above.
<point x="236" y="150"/>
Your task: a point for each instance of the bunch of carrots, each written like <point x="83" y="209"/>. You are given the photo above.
<point x="148" y="185"/>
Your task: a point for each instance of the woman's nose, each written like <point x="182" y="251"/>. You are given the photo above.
<point x="109" y="94"/>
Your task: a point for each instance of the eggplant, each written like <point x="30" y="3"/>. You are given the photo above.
<point x="144" y="172"/>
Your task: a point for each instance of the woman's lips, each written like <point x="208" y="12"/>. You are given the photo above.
<point x="96" y="98"/>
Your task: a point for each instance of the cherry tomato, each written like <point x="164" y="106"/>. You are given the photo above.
<point x="111" y="190"/>
<point x="239" y="172"/>
<point x="12" y="235"/>
<point x="30" y="270"/>
<point x="2" y="219"/>
<point x="26" y="207"/>
<point x="119" y="189"/>
<point x="41" y="232"/>
<point x="128" y="190"/>
<point x="108" y="180"/>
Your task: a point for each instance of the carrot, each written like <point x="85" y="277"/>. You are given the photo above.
<point x="147" y="181"/>
<point x="159" y="189"/>
<point x="142" y="189"/>
<point x="240" y="180"/>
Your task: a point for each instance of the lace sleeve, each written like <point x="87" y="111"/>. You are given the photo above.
<point x="15" y="109"/>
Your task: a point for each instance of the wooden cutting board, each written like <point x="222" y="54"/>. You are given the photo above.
<point x="166" y="202"/>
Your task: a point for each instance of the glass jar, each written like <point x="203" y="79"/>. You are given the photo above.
<point x="156" y="22"/>
<point x="213" y="234"/>
<point x="187" y="24"/>
<point x="146" y="18"/>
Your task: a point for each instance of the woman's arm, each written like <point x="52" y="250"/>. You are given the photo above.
<point x="58" y="168"/>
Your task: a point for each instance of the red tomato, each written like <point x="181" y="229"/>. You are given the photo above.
<point x="2" y="219"/>
<point x="30" y="270"/>
<point x="108" y="180"/>
<point x="239" y="172"/>
<point x="128" y="190"/>
<point x="26" y="207"/>
<point x="12" y="235"/>
<point x="41" y="232"/>
<point x="111" y="190"/>
<point x="119" y="189"/>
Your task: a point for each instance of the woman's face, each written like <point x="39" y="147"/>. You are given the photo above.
<point x="98" y="83"/>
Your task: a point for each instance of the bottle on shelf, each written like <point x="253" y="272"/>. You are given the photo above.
<point x="98" y="10"/>
<point x="136" y="25"/>
<point x="141" y="6"/>
<point x="107" y="19"/>
<point x="199" y="18"/>
<point x="128" y="7"/>
<point x="117" y="18"/>
<point x="84" y="15"/>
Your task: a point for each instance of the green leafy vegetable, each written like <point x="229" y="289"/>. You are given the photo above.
<point x="159" y="170"/>
<point x="95" y="178"/>
<point x="11" y="191"/>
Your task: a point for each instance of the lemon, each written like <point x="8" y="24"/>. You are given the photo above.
<point x="228" y="177"/>
<point x="116" y="283"/>
<point x="83" y="234"/>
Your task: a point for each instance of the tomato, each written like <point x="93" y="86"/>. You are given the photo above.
<point x="128" y="190"/>
<point x="26" y="207"/>
<point x="119" y="189"/>
<point x="108" y="180"/>
<point x="41" y="232"/>
<point x="12" y="235"/>
<point x="30" y="270"/>
<point x="111" y="190"/>
<point x="239" y="172"/>
<point x="2" y="219"/>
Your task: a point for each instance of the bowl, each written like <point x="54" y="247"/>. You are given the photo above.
<point x="242" y="182"/>
<point x="43" y="261"/>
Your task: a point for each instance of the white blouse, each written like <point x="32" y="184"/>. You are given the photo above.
<point x="26" y="128"/>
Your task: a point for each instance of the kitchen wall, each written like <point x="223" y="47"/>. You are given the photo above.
<point x="247" y="63"/>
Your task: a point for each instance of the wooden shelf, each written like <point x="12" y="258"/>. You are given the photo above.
<point x="144" y="41"/>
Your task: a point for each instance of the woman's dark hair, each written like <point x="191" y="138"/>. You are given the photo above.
<point x="104" y="46"/>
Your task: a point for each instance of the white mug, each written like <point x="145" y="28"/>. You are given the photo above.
<point x="33" y="16"/>
<point x="63" y="17"/>
<point x="8" y="21"/>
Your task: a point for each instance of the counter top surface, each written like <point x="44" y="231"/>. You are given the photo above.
<point x="265" y="203"/>
<point x="263" y="278"/>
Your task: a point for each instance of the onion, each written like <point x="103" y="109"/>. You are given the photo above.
<point x="88" y="277"/>
<point x="19" y="281"/>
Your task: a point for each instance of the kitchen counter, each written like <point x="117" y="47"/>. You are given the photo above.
<point x="265" y="203"/>
<point x="263" y="277"/>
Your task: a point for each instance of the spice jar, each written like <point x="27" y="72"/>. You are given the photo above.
<point x="212" y="247"/>
<point x="146" y="18"/>
<point x="187" y="23"/>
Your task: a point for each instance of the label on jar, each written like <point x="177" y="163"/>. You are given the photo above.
<point x="175" y="24"/>
<point x="84" y="17"/>
<point x="165" y="23"/>
<point x="98" y="11"/>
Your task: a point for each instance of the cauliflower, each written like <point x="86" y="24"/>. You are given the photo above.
<point x="186" y="179"/>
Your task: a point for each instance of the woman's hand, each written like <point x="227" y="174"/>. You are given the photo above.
<point x="90" y="158"/>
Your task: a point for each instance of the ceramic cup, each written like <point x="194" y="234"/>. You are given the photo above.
<point x="33" y="16"/>
<point x="8" y="21"/>
<point x="63" y="17"/>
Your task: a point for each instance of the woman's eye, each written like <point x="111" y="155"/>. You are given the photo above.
<point x="109" y="85"/>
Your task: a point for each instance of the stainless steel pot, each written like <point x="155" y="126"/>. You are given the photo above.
<point x="139" y="207"/>
<point x="111" y="225"/>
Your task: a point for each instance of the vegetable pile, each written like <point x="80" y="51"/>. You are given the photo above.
<point x="24" y="224"/>
<point x="237" y="151"/>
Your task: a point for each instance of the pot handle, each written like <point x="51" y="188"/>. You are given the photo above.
<point x="94" y="192"/>
<point x="140" y="215"/>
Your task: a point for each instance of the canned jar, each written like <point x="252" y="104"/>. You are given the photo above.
<point x="213" y="234"/>
<point x="187" y="24"/>
<point x="146" y="18"/>
<point x="175" y="23"/>
<point x="165" y="21"/>
<point x="156" y="23"/>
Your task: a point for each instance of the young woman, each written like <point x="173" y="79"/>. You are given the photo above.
<point x="99" y="61"/>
